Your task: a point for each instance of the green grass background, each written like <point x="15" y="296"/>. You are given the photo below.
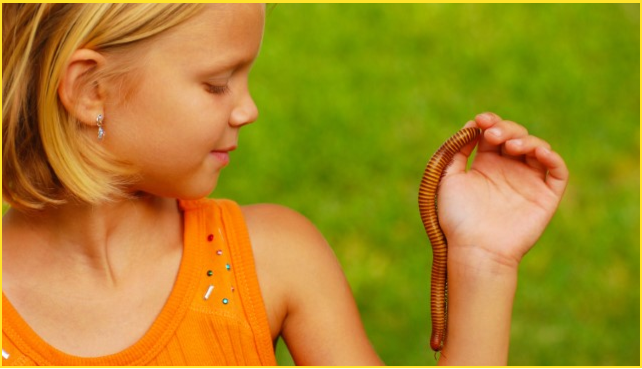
<point x="355" y="98"/>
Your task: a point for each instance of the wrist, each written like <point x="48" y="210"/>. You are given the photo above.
<point x="480" y="261"/>
<point x="481" y="289"/>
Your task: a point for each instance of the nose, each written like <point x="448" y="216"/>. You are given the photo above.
<point x="245" y="112"/>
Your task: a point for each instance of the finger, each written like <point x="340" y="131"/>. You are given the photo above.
<point x="557" y="177"/>
<point x="498" y="133"/>
<point x="532" y="162"/>
<point x="505" y="154"/>
<point x="524" y="149"/>
<point x="460" y="159"/>
<point x="503" y="131"/>
<point x="486" y="121"/>
<point x="524" y="145"/>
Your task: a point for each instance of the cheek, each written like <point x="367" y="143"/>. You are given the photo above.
<point x="166" y="124"/>
<point x="147" y="118"/>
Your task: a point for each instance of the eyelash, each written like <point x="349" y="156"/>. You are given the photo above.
<point x="218" y="90"/>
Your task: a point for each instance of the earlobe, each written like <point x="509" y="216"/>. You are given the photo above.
<point x="79" y="91"/>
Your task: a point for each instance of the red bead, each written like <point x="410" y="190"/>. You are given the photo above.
<point x="210" y="238"/>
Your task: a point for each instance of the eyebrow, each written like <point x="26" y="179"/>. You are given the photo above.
<point x="221" y="68"/>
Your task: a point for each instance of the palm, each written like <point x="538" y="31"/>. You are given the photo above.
<point x="500" y="204"/>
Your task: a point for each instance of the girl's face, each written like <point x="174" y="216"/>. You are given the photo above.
<point x="188" y="103"/>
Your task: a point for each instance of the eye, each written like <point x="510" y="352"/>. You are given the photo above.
<point x="218" y="89"/>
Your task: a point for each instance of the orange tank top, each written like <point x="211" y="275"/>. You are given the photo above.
<point x="214" y="316"/>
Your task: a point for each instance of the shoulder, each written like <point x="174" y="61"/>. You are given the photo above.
<point x="287" y="242"/>
<point x="306" y="294"/>
<point x="279" y="224"/>
<point x="286" y="246"/>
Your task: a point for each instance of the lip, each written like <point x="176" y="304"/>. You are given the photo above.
<point x="226" y="149"/>
<point x="223" y="155"/>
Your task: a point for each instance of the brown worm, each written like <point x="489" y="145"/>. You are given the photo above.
<point x="428" y="210"/>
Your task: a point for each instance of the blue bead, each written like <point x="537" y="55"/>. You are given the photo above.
<point x="225" y="301"/>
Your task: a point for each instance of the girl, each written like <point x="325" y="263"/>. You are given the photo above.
<point x="117" y="120"/>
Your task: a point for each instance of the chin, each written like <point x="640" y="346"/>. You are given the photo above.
<point x="199" y="192"/>
<point x="192" y="189"/>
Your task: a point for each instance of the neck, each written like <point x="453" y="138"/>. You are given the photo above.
<point x="102" y="243"/>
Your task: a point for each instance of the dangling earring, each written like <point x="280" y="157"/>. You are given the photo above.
<point x="99" y="123"/>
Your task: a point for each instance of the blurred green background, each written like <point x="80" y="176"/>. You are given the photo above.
<point x="355" y="98"/>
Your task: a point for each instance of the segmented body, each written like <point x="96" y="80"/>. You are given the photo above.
<point x="428" y="210"/>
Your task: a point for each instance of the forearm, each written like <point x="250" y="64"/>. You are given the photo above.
<point x="481" y="289"/>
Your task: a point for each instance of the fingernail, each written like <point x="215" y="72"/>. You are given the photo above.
<point x="482" y="116"/>
<point x="517" y="142"/>
<point x="495" y="132"/>
<point x="488" y="115"/>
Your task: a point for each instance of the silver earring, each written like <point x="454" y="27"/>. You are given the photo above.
<point x="99" y="123"/>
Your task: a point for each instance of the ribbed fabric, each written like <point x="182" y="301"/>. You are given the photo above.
<point x="229" y="327"/>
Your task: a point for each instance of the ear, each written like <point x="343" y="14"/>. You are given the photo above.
<point x="81" y="96"/>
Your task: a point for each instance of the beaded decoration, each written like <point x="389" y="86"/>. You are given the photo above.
<point x="217" y="241"/>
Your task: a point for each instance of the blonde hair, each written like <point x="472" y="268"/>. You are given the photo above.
<point x="46" y="160"/>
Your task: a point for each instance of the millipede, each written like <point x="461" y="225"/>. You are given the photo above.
<point x="430" y="181"/>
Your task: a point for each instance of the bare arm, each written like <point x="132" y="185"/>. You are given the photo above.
<point x="480" y="301"/>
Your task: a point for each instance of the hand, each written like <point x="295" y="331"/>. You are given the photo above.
<point x="504" y="202"/>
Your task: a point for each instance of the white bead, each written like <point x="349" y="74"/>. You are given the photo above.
<point x="209" y="292"/>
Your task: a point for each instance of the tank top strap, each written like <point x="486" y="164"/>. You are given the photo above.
<point x="229" y="286"/>
<point x="247" y="279"/>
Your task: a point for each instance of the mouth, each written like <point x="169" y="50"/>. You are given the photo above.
<point x="223" y="155"/>
<point x="226" y="149"/>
